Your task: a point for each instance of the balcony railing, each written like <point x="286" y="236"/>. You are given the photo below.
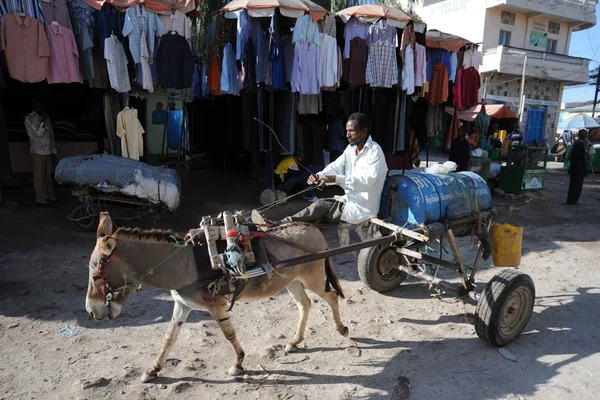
<point x="536" y="54"/>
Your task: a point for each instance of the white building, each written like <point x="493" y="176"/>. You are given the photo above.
<point x="509" y="30"/>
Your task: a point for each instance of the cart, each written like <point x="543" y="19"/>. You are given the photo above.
<point x="525" y="169"/>
<point x="92" y="201"/>
<point x="393" y="251"/>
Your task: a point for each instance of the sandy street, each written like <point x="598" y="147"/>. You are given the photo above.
<point x="405" y="341"/>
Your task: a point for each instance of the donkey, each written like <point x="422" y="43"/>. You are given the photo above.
<point x="128" y="257"/>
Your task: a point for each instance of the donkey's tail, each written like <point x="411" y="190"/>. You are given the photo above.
<point x="331" y="279"/>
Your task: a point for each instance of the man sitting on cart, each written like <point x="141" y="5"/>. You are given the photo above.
<point x="360" y="170"/>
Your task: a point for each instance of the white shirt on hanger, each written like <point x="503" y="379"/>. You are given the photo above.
<point x="328" y="61"/>
<point x="408" y="71"/>
<point x="472" y="58"/>
<point x="116" y="63"/>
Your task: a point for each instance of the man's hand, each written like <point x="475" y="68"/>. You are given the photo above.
<point x="313" y="179"/>
<point x="326" y="179"/>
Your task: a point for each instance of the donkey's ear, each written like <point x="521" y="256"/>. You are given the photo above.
<point x="105" y="226"/>
<point x="106" y="245"/>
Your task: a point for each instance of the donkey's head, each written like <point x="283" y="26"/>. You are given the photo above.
<point x="105" y="294"/>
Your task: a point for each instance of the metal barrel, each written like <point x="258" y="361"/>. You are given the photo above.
<point x="422" y="198"/>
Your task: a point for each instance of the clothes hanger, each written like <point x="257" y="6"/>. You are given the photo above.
<point x="54" y="23"/>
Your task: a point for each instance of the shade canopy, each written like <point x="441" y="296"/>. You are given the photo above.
<point x="441" y="40"/>
<point x="266" y="8"/>
<point x="373" y="12"/>
<point x="495" y="111"/>
<point x="580" y="121"/>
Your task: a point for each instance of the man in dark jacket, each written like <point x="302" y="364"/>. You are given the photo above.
<point x="460" y="152"/>
<point x="578" y="167"/>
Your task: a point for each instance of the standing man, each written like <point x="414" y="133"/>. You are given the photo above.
<point x="360" y="171"/>
<point x="578" y="167"/>
<point x="41" y="138"/>
<point x="516" y="137"/>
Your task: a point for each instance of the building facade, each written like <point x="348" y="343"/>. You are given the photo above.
<point x="511" y="33"/>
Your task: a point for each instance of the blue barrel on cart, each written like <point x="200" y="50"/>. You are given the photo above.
<point x="421" y="198"/>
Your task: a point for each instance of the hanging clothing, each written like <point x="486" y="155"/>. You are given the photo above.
<point x="229" y="73"/>
<point x="327" y="26"/>
<point x="109" y="21"/>
<point x="63" y="64"/>
<point x="472" y="58"/>
<point x="453" y="66"/>
<point x="382" y="31"/>
<point x="213" y="80"/>
<point x="31" y="8"/>
<point x="457" y="90"/>
<point x="305" y="69"/>
<point x="382" y="67"/>
<point x="147" y="83"/>
<point x="175" y="62"/>
<point x="26" y="48"/>
<point x="288" y="49"/>
<point x="130" y="130"/>
<point x="470" y="83"/>
<point x="309" y="104"/>
<point x="408" y="71"/>
<point x="421" y="71"/>
<point x="353" y="29"/>
<point x="328" y="61"/>
<point x="5" y="164"/>
<point x="178" y="22"/>
<point x="84" y="22"/>
<point x="306" y="30"/>
<point x="175" y="138"/>
<point x="438" y="88"/>
<point x="278" y="66"/>
<point x="56" y="10"/>
<point x="437" y="55"/>
<point x="357" y="67"/>
<point x="434" y="120"/>
<point x="116" y="63"/>
<point x="249" y="64"/>
<point x="225" y="32"/>
<point x="137" y="21"/>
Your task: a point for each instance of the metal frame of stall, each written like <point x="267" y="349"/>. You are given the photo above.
<point x="525" y="169"/>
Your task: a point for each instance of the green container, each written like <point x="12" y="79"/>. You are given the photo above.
<point x="494" y="154"/>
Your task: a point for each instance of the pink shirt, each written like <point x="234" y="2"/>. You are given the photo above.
<point x="63" y="66"/>
<point x="26" y="47"/>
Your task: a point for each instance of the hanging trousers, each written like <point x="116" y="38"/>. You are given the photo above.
<point x="575" y="187"/>
<point x="42" y="178"/>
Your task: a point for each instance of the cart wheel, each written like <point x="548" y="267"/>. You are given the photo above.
<point x="504" y="307"/>
<point x="84" y="225"/>
<point x="376" y="268"/>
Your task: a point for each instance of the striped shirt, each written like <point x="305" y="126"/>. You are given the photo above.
<point x="138" y="20"/>
<point x="33" y="8"/>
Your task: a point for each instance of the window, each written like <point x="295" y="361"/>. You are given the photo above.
<point x="508" y="18"/>
<point x="504" y="39"/>
<point x="551" y="46"/>
<point x="554" y="27"/>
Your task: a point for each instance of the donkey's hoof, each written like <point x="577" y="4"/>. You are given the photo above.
<point x="149" y="376"/>
<point x="290" y="348"/>
<point x="343" y="331"/>
<point x="235" y="371"/>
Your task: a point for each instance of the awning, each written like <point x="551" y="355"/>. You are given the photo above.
<point x="495" y="111"/>
<point x="373" y="12"/>
<point x="441" y="40"/>
<point x="265" y="8"/>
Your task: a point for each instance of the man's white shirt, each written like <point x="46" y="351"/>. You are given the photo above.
<point x="362" y="177"/>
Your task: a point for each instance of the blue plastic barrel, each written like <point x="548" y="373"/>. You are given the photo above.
<point x="422" y="198"/>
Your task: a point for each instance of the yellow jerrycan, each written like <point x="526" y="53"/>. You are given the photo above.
<point x="506" y="245"/>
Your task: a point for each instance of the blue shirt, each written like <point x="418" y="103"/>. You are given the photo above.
<point x="33" y="8"/>
<point x="137" y="21"/>
<point x="229" y="79"/>
<point x="109" y="21"/>
<point x="435" y="55"/>
<point x="278" y="67"/>
<point x="306" y="30"/>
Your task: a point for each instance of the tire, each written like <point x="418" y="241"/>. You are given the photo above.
<point x="504" y="307"/>
<point x="85" y="225"/>
<point x="376" y="271"/>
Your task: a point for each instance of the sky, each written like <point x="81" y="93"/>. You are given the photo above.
<point x="584" y="44"/>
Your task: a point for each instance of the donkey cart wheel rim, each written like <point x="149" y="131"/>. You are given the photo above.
<point x="515" y="313"/>
<point x="385" y="265"/>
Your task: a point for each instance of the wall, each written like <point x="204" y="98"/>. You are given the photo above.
<point x="464" y="18"/>
<point x="493" y="26"/>
<point x="507" y="88"/>
<point x="539" y="26"/>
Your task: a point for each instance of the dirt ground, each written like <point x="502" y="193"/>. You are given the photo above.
<point x="405" y="339"/>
